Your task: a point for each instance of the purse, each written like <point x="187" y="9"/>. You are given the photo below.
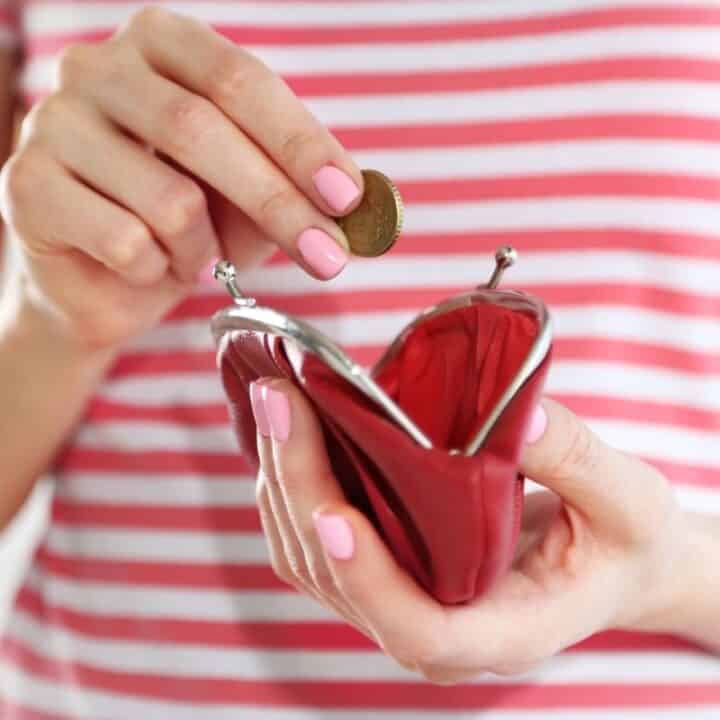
<point x="427" y="443"/>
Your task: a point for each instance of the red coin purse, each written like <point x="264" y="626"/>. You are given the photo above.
<point x="427" y="443"/>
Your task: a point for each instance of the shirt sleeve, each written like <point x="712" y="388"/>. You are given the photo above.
<point x="9" y="24"/>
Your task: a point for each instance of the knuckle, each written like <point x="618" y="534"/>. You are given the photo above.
<point x="321" y="576"/>
<point x="189" y="119"/>
<point x="234" y="74"/>
<point x="76" y="63"/>
<point x="513" y="667"/>
<point x="184" y="206"/>
<point x="47" y="112"/>
<point x="580" y="455"/>
<point x="150" y="17"/>
<point x="275" y="203"/>
<point x="281" y="567"/>
<point x="20" y="177"/>
<point x="297" y="145"/>
<point x="129" y="246"/>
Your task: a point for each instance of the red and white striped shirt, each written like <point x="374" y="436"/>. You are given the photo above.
<point x="586" y="133"/>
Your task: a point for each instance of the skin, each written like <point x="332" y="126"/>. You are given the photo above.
<point x="143" y="165"/>
<point x="604" y="546"/>
<point x="233" y="154"/>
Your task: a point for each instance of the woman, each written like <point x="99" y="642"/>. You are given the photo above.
<point x="583" y="133"/>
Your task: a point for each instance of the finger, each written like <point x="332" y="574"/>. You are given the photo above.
<point x="302" y="470"/>
<point x="75" y="216"/>
<point x="168" y="202"/>
<point x="203" y="140"/>
<point x="278" y="559"/>
<point x="597" y="480"/>
<point x="292" y="564"/>
<point x="250" y="94"/>
<point x="409" y="625"/>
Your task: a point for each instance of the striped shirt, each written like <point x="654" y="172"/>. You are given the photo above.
<point x="586" y="133"/>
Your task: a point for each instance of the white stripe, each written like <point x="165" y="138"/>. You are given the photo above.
<point x="571" y="267"/>
<point x="519" y="51"/>
<point x="158" y="602"/>
<point x="682" y="332"/>
<point x="219" y="662"/>
<point x="54" y="16"/>
<point x="87" y="704"/>
<point x="605" y="379"/>
<point x="697" y="499"/>
<point x="635" y="383"/>
<point x="660" y="442"/>
<point x="579" y="46"/>
<point x="138" y="435"/>
<point x="158" y="545"/>
<point x="148" y="489"/>
<point x="198" y="491"/>
<point x="622" y="156"/>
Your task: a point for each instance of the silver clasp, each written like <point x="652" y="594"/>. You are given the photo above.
<point x="224" y="272"/>
<point x="505" y="257"/>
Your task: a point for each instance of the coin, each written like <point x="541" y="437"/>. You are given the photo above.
<point x="375" y="224"/>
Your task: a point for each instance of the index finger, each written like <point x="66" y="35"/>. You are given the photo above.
<point x="250" y="93"/>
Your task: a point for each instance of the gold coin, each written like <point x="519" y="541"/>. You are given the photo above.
<point x="375" y="224"/>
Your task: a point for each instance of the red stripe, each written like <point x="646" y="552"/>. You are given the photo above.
<point x="154" y="461"/>
<point x="682" y="244"/>
<point x="367" y="33"/>
<point x="182" y="575"/>
<point x="308" y="304"/>
<point x="14" y="711"/>
<point x="585" y="405"/>
<point x="367" y="695"/>
<point x="204" y="518"/>
<point x="590" y="349"/>
<point x="305" y="635"/>
<point x="601" y="184"/>
<point x="82" y="459"/>
<point x="553" y="129"/>
<point x="647" y="69"/>
<point x="101" y="410"/>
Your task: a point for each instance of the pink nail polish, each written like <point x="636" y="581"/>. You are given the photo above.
<point x="335" y="535"/>
<point x="321" y="252"/>
<point x="277" y="409"/>
<point x="258" y="408"/>
<point x="538" y="423"/>
<point x="337" y="188"/>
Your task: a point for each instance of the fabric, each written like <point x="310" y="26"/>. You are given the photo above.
<point x="584" y="133"/>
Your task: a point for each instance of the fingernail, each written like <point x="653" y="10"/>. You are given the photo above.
<point x="335" y="535"/>
<point x="538" y="423"/>
<point x="277" y="409"/>
<point x="321" y="252"/>
<point x="258" y="408"/>
<point x="337" y="188"/>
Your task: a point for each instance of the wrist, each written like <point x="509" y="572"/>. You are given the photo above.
<point x="26" y="322"/>
<point x="686" y="604"/>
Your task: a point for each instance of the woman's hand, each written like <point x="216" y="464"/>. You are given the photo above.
<point x="159" y="149"/>
<point x="607" y="548"/>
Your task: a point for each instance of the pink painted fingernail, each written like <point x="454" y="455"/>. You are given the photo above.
<point x="538" y="423"/>
<point x="337" y="188"/>
<point x="335" y="535"/>
<point x="258" y="408"/>
<point x="277" y="409"/>
<point x="321" y="252"/>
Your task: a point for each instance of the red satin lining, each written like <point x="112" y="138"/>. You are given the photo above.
<point x="452" y="369"/>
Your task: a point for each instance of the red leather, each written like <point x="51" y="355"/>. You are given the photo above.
<point x="452" y="521"/>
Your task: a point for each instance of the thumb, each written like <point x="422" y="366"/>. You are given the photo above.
<point x="565" y="456"/>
